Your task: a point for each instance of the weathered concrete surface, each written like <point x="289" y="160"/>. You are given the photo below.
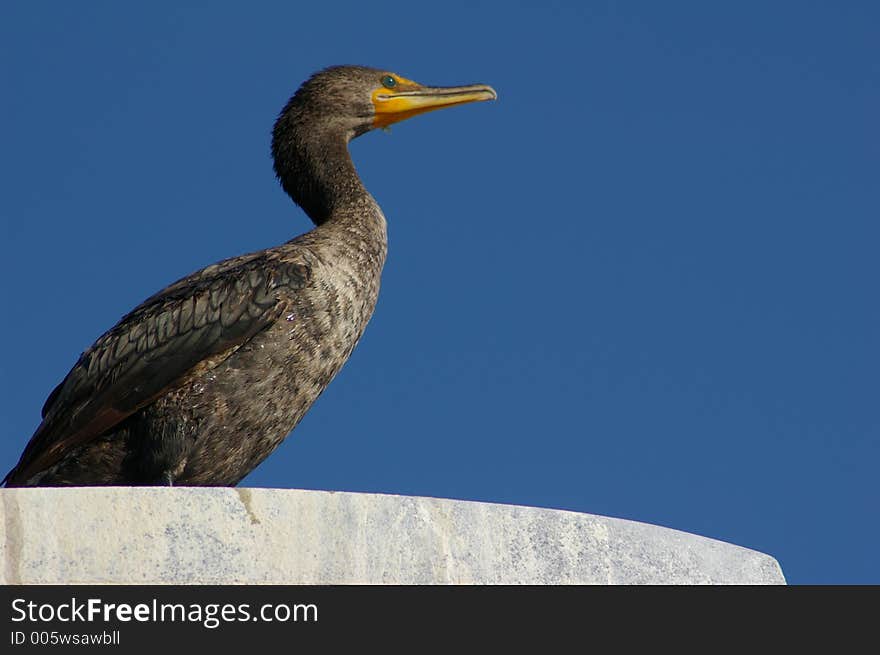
<point x="272" y="536"/>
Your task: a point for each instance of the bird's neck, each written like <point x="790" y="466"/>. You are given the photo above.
<point x="317" y="172"/>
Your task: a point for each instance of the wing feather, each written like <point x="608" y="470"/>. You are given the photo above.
<point x="152" y="348"/>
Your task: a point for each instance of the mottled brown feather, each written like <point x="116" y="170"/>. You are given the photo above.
<point x="153" y="347"/>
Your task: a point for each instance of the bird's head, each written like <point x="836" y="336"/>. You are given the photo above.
<point x="357" y="99"/>
<point x="309" y="142"/>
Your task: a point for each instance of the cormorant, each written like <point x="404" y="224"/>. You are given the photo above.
<point x="203" y="380"/>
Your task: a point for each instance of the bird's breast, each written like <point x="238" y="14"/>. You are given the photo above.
<point x="258" y="394"/>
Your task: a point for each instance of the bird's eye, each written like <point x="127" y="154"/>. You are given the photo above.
<point x="389" y="82"/>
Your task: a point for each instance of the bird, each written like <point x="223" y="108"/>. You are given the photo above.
<point x="198" y="384"/>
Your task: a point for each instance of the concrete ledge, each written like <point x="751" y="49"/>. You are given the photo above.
<point x="142" y="535"/>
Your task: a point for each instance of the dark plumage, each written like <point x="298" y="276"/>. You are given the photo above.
<point x="201" y="382"/>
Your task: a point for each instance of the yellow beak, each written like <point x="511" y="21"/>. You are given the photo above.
<point x="412" y="99"/>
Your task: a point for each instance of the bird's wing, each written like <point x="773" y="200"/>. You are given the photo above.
<point x="151" y="349"/>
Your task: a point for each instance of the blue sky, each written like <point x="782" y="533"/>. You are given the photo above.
<point x="642" y="284"/>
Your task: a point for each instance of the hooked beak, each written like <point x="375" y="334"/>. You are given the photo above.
<point x="411" y="99"/>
